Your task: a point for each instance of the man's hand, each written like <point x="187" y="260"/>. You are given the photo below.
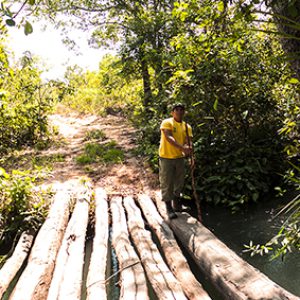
<point x="187" y="150"/>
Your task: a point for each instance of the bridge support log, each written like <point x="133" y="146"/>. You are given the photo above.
<point x="133" y="280"/>
<point x="174" y="257"/>
<point x="15" y="262"/>
<point x="66" y="283"/>
<point x="161" y="278"/>
<point x="35" y="279"/>
<point x="95" y="286"/>
<point x="231" y="275"/>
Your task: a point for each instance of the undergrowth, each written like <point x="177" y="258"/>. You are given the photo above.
<point x="21" y="206"/>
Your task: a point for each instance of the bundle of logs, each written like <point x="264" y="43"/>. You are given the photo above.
<point x="50" y="265"/>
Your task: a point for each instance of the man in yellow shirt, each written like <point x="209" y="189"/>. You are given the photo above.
<point x="174" y="147"/>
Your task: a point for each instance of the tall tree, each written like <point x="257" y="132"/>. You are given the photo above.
<point x="140" y="29"/>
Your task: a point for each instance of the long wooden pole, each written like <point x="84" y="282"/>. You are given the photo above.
<point x="174" y="257"/>
<point x="132" y="279"/>
<point x="161" y="278"/>
<point x="192" y="168"/>
<point x="95" y="286"/>
<point x="35" y="279"/>
<point x="15" y="262"/>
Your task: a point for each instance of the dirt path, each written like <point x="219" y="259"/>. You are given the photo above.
<point x="129" y="177"/>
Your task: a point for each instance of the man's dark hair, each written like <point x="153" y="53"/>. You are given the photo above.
<point x="178" y="105"/>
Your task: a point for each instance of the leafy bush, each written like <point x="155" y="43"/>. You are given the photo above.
<point x="20" y="207"/>
<point x="24" y="105"/>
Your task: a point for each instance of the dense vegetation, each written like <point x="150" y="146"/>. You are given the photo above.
<point x="237" y="78"/>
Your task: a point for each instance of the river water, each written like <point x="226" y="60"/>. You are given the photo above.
<point x="256" y="224"/>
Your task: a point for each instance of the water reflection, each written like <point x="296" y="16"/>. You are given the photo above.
<point x="255" y="224"/>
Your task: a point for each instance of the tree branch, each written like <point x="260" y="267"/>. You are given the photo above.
<point x="22" y="6"/>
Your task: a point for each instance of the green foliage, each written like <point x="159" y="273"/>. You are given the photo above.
<point x="96" y="134"/>
<point x="102" y="92"/>
<point x="104" y="153"/>
<point x="237" y="175"/>
<point x="10" y="15"/>
<point x="48" y="160"/>
<point x="24" y="105"/>
<point x="214" y="57"/>
<point x="21" y="208"/>
<point x="228" y="76"/>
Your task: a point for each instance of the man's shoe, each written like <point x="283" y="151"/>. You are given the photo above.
<point x="170" y="211"/>
<point x="176" y="205"/>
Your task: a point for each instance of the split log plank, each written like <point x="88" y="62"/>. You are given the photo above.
<point x="15" y="262"/>
<point x="231" y="275"/>
<point x="35" y="279"/>
<point x="66" y="283"/>
<point x="161" y="278"/>
<point x="133" y="280"/>
<point x="175" y="259"/>
<point x="96" y="287"/>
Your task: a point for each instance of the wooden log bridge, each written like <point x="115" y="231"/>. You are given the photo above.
<point x="54" y="264"/>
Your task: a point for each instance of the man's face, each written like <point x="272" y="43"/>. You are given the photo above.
<point x="178" y="113"/>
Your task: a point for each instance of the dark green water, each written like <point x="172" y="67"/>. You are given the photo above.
<point x="256" y="224"/>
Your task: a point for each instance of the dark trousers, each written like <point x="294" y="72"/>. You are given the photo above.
<point x="171" y="177"/>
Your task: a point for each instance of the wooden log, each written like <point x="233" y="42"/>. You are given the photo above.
<point x="161" y="278"/>
<point x="132" y="279"/>
<point x="66" y="283"/>
<point x="95" y="286"/>
<point x="174" y="257"/>
<point x="35" y="279"/>
<point x="232" y="276"/>
<point x="15" y="262"/>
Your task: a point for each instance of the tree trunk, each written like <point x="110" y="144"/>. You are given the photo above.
<point x="175" y="259"/>
<point x="96" y="287"/>
<point x="15" y="262"/>
<point x="161" y="278"/>
<point x="35" y="279"/>
<point x="133" y="281"/>
<point x="232" y="276"/>
<point x="146" y="79"/>
<point x="67" y="278"/>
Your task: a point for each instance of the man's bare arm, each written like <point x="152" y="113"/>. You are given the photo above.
<point x="170" y="138"/>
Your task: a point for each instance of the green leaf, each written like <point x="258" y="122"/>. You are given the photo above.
<point x="31" y="2"/>
<point x="10" y="22"/>
<point x="293" y="81"/>
<point x="3" y="173"/>
<point x="216" y="104"/>
<point x="220" y="6"/>
<point x="28" y="28"/>
<point x="292" y="10"/>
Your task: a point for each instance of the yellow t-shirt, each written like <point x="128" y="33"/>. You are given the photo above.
<point x="167" y="150"/>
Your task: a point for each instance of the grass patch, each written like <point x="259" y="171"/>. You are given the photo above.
<point x="96" y="134"/>
<point x="106" y="153"/>
<point x="48" y="160"/>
